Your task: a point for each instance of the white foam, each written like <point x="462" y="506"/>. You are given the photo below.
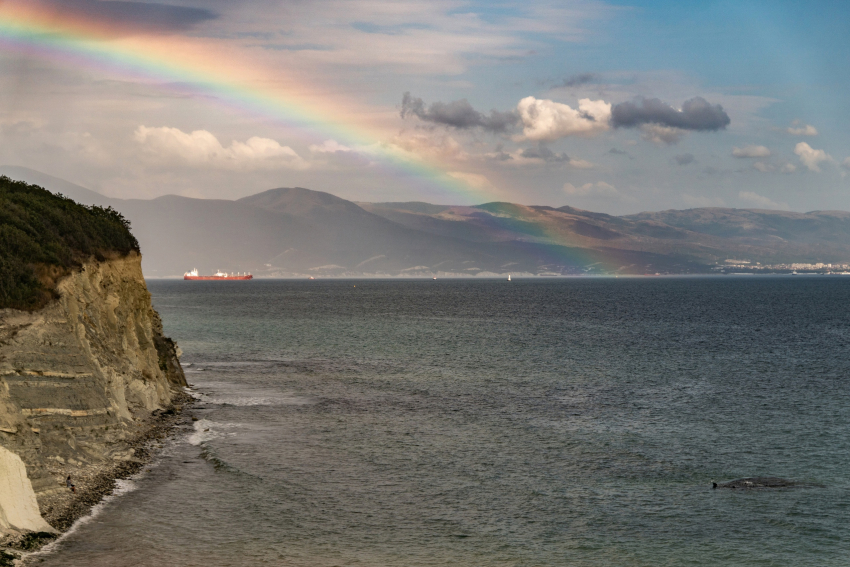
<point x="122" y="487"/>
<point x="206" y="430"/>
<point x="244" y="401"/>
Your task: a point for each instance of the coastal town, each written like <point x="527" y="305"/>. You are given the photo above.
<point x="746" y="266"/>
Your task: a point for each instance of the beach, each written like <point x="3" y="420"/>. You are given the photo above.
<point x="96" y="481"/>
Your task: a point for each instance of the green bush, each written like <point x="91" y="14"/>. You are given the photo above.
<point x="44" y="236"/>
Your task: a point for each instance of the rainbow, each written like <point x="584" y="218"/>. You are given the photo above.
<point x="190" y="64"/>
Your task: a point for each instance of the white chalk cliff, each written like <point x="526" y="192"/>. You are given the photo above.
<point x="18" y="505"/>
<point x="76" y="378"/>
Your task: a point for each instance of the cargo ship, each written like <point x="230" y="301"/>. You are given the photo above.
<point x="219" y="275"/>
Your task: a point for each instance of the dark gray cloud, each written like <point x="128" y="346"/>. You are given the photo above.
<point x="134" y="16"/>
<point x="457" y="114"/>
<point x="580" y="79"/>
<point x="617" y="152"/>
<point x="696" y="114"/>
<point x="684" y="159"/>
<point x="544" y="153"/>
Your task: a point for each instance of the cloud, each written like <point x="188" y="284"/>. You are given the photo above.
<point x="696" y="114"/>
<point x="600" y="188"/>
<point x="811" y="157"/>
<point x="329" y="147"/>
<point x="581" y="164"/>
<point x="538" y="155"/>
<point x="201" y="148"/>
<point x="148" y="17"/>
<point x="788" y="168"/>
<point x="546" y="120"/>
<point x="617" y="152"/>
<point x="762" y="167"/>
<point x="580" y="79"/>
<point x="545" y="154"/>
<point x="457" y="114"/>
<point x="798" y="129"/>
<point x="684" y="159"/>
<point x="432" y="143"/>
<point x="846" y="163"/>
<point x="762" y="202"/>
<point x="661" y="135"/>
<point x="751" y="152"/>
<point x="475" y="180"/>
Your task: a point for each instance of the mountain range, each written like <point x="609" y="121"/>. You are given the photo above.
<point x="296" y="232"/>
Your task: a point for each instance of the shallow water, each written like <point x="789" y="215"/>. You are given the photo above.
<point x="553" y="422"/>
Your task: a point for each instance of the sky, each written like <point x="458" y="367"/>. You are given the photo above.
<point x="617" y="107"/>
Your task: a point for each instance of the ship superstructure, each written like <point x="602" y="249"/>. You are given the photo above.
<point x="219" y="275"/>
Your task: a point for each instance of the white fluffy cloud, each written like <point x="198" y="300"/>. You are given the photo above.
<point x="329" y="147"/>
<point x="761" y="201"/>
<point x="202" y="148"/>
<point x="846" y="163"/>
<point x="751" y="152"/>
<point x="547" y="120"/>
<point x="798" y="129"/>
<point x="599" y="188"/>
<point x="788" y="168"/>
<point x="811" y="157"/>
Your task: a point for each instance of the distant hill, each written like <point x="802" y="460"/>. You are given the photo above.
<point x="705" y="235"/>
<point x="297" y="232"/>
<point x="56" y="185"/>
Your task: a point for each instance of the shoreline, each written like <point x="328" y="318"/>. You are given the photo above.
<point x="99" y="481"/>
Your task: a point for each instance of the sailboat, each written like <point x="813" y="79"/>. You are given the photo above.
<point x="509" y="277"/>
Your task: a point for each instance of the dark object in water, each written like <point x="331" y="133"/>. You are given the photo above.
<point x="761" y="482"/>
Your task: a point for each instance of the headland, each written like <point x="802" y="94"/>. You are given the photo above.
<point x="87" y="377"/>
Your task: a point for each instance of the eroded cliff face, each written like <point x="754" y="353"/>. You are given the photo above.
<point x="78" y="377"/>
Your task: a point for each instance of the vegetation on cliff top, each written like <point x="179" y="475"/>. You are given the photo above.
<point x="44" y="236"/>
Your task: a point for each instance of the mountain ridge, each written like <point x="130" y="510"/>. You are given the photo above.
<point x="298" y="232"/>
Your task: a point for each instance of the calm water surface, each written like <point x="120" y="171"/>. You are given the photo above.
<point x="532" y="423"/>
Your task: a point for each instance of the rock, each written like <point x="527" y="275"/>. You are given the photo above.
<point x="18" y="505"/>
<point x="758" y="482"/>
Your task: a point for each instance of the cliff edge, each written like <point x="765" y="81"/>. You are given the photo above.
<point x="80" y="378"/>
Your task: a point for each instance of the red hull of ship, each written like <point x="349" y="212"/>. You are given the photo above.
<point x="248" y="277"/>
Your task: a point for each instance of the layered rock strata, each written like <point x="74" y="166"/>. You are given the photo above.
<point x="78" y="381"/>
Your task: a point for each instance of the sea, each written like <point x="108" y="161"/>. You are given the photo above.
<point x="538" y="422"/>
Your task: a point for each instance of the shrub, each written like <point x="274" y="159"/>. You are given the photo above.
<point x="44" y="236"/>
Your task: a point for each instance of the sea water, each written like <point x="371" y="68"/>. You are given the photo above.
<point x="465" y="422"/>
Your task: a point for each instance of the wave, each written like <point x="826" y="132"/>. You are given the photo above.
<point x="206" y="431"/>
<point x="122" y="487"/>
<point x="222" y="399"/>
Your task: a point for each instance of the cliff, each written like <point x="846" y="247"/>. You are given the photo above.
<point x="79" y="379"/>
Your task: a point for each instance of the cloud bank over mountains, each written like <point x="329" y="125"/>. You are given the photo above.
<point x="201" y="148"/>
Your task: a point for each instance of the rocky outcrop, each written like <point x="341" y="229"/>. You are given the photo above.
<point x="757" y="482"/>
<point x="18" y="505"/>
<point x="78" y="379"/>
